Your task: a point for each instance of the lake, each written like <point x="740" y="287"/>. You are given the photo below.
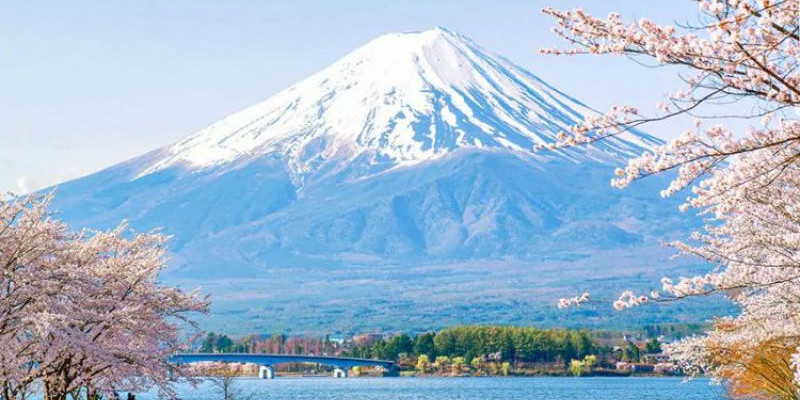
<point x="460" y="389"/>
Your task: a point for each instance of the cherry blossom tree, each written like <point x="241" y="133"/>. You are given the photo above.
<point x="746" y="185"/>
<point x="30" y="245"/>
<point x="84" y="312"/>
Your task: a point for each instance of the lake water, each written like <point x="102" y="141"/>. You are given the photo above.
<point x="460" y="389"/>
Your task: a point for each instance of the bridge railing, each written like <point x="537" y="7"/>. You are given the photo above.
<point x="341" y="364"/>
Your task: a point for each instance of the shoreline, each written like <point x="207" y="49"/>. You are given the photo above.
<point x="435" y="376"/>
<point x="424" y="377"/>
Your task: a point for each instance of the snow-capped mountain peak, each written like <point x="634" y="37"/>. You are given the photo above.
<point x="401" y="99"/>
<point x="396" y="188"/>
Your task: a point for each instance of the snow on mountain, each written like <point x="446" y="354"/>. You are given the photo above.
<point x="404" y="164"/>
<point x="399" y="100"/>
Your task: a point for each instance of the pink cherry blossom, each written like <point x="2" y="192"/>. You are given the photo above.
<point x="84" y="311"/>
<point x="746" y="185"/>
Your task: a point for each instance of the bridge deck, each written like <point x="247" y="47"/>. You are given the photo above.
<point x="275" y="359"/>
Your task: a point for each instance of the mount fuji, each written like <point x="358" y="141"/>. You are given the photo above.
<point x="397" y="189"/>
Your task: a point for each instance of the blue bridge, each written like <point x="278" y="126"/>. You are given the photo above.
<point x="267" y="361"/>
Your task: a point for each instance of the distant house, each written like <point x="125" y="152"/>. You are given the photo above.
<point x="336" y="339"/>
<point x="498" y="356"/>
<point x="655" y="358"/>
<point x="623" y="366"/>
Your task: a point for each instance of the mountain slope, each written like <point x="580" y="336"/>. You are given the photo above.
<point x="414" y="150"/>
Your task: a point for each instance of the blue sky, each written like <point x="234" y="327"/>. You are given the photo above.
<point x="84" y="85"/>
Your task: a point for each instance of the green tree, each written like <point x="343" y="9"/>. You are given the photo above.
<point x="444" y="343"/>
<point x="477" y="363"/>
<point x="581" y="343"/>
<point x="576" y="367"/>
<point x="224" y="344"/>
<point x="442" y="362"/>
<point x="209" y="343"/>
<point x="505" y="368"/>
<point x="630" y="353"/>
<point x="423" y="344"/>
<point x="470" y="354"/>
<point x="397" y="345"/>
<point x="457" y="364"/>
<point x="423" y="362"/>
<point x="589" y="362"/>
<point x="653" y="346"/>
<point x="496" y="342"/>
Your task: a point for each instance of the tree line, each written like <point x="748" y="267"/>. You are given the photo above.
<point x="516" y="344"/>
<point x="273" y="344"/>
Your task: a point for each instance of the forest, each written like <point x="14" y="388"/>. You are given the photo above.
<point x="517" y="344"/>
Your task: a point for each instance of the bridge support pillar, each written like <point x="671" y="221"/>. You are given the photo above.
<point x="266" y="372"/>
<point x="339" y="372"/>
